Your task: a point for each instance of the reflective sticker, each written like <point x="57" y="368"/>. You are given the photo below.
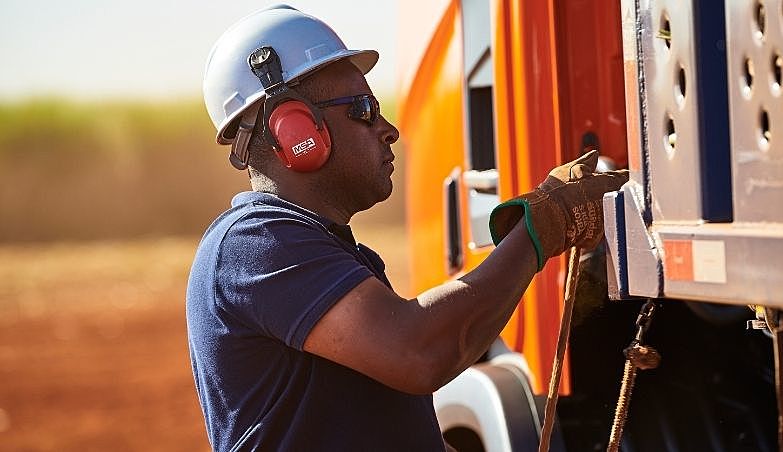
<point x="709" y="261"/>
<point x="695" y="260"/>
<point x="678" y="265"/>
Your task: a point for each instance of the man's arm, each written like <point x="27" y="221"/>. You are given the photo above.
<point x="418" y="345"/>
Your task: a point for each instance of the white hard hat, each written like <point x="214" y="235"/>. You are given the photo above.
<point x="303" y="43"/>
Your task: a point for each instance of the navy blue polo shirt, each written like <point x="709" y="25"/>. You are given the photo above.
<point x="263" y="275"/>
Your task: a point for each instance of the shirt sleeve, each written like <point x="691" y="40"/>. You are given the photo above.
<point x="278" y="276"/>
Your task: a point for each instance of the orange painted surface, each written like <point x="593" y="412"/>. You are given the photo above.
<point x="431" y="126"/>
<point x="590" y="76"/>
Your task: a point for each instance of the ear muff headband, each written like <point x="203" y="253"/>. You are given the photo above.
<point x="291" y="123"/>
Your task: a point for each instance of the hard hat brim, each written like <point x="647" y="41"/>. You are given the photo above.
<point x="364" y="60"/>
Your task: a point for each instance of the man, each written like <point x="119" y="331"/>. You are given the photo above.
<point x="297" y="340"/>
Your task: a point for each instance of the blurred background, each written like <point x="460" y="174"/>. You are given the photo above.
<point x="108" y="176"/>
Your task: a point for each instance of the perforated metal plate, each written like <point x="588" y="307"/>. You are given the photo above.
<point x="755" y="30"/>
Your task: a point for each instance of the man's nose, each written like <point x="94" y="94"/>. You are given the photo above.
<point x="390" y="133"/>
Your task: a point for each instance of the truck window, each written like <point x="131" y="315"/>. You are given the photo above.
<point x="482" y="128"/>
<point x="478" y="75"/>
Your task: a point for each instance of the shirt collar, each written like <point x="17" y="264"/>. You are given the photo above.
<point x="247" y="197"/>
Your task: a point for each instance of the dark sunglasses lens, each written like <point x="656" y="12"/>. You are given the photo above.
<point x="375" y="108"/>
<point x="365" y="108"/>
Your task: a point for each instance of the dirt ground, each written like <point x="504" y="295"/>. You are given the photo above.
<point x="93" y="349"/>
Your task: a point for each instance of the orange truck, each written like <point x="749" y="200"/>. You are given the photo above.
<point x="684" y="93"/>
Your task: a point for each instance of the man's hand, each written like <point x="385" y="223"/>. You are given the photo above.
<point x="564" y="211"/>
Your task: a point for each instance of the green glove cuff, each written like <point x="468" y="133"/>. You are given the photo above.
<point x="527" y="217"/>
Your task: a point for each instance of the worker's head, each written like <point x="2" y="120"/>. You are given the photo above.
<point x="249" y="72"/>
<point x="284" y="91"/>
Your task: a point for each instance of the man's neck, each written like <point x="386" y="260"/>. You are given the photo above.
<point x="314" y="202"/>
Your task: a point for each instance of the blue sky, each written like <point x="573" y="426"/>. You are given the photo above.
<point x="156" y="49"/>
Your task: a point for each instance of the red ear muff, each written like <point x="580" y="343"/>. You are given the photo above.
<point x="302" y="146"/>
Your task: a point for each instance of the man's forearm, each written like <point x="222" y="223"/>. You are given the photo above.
<point x="468" y="314"/>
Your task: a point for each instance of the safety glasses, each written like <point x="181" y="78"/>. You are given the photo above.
<point x="364" y="107"/>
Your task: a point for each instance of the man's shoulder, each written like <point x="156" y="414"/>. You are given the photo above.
<point x="271" y="206"/>
<point x="256" y="212"/>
